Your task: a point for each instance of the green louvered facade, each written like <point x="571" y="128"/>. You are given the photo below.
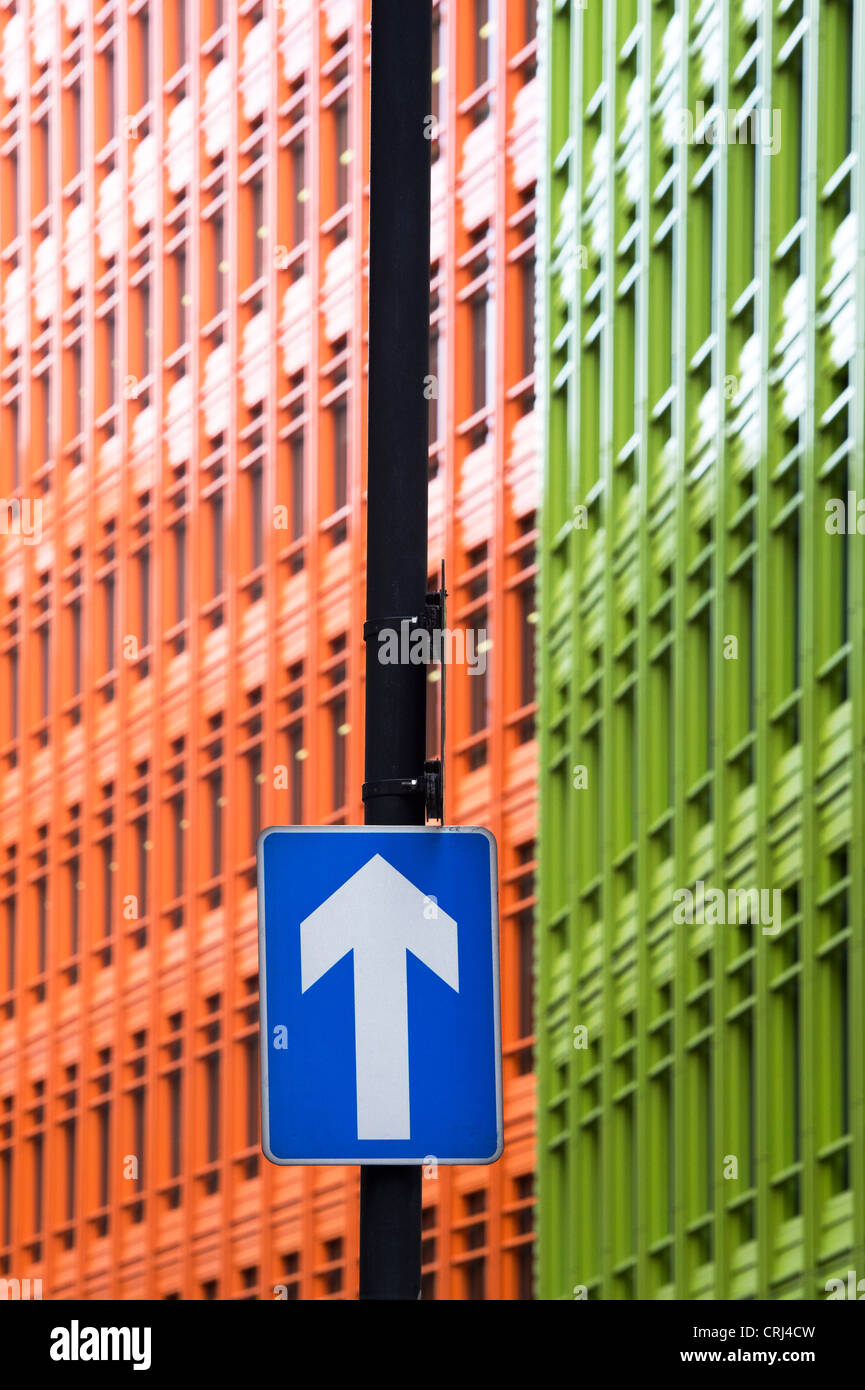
<point x="703" y="353"/>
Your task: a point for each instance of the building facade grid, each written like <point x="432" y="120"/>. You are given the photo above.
<point x="183" y="281"/>
<point x="702" y="1087"/>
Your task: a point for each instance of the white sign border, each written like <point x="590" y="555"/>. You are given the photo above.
<point x="354" y="1160"/>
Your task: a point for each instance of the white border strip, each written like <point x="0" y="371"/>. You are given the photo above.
<point x="264" y="1032"/>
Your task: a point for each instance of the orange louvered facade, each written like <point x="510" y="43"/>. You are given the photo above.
<point x="183" y="279"/>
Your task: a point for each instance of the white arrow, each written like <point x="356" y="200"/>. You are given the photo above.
<point x="379" y="915"/>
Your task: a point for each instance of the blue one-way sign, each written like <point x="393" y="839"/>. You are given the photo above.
<point x="379" y="985"/>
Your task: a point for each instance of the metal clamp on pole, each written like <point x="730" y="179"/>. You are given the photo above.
<point x="392" y="786"/>
<point x="431" y="620"/>
<point x="434" y="789"/>
<point x="431" y="788"/>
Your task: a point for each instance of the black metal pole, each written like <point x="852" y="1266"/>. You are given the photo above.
<point x="400" y="100"/>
